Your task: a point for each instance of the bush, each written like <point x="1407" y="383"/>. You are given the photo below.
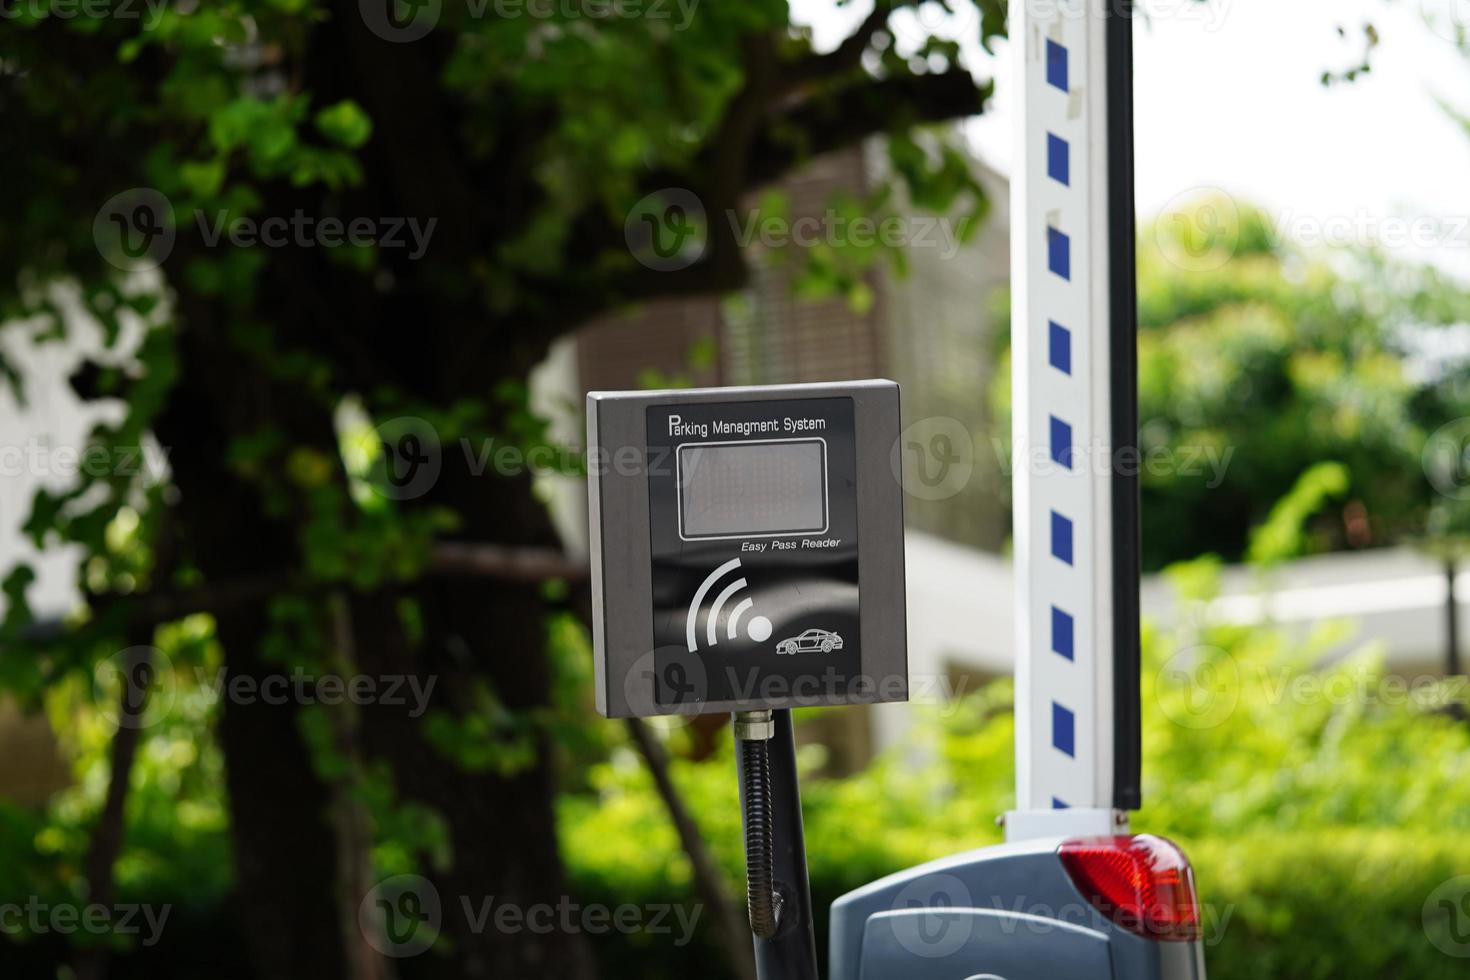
<point x="1335" y="906"/>
<point x="1322" y="807"/>
<point x="1343" y="905"/>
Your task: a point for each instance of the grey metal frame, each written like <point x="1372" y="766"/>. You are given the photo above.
<point x="1008" y="911"/>
<point x="622" y="592"/>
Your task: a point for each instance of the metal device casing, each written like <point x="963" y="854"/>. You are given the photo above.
<point x="622" y="550"/>
<point x="1008" y="912"/>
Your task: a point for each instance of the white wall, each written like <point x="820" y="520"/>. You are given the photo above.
<point x="41" y="441"/>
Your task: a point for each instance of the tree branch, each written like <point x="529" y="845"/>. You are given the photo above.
<point x="349" y="813"/>
<point x="449" y="559"/>
<point x="821" y="125"/>
<point x="506" y="564"/>
<point x="107" y="836"/>
<point x="845" y="57"/>
<point x="729" y="922"/>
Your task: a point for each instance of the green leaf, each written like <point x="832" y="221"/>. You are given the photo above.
<point x="1283" y="535"/>
<point x="203" y="178"/>
<point x="345" y="123"/>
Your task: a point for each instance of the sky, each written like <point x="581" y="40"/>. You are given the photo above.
<point x="1228" y="95"/>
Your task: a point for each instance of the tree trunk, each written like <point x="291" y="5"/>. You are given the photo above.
<point x="731" y="927"/>
<point x="478" y="639"/>
<point x="284" y="851"/>
<point x="91" y="963"/>
<point x="481" y="637"/>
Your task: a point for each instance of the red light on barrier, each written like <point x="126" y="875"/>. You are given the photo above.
<point x="1144" y="884"/>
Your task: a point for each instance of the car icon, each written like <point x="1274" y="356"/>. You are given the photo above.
<point x="812" y="641"/>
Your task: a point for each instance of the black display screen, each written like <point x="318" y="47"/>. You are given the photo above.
<point x="741" y="489"/>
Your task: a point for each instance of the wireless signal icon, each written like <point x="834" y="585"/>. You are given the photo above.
<point x="758" y="629"/>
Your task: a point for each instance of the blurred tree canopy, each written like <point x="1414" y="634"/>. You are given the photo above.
<point x="1286" y="358"/>
<point x="173" y="170"/>
<point x="1259" y="359"/>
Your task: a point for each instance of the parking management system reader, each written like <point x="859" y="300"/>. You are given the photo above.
<point x="747" y="548"/>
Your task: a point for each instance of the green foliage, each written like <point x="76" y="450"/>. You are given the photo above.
<point x="1281" y="537"/>
<point x="345" y="123"/>
<point x="1330" y="905"/>
<point x="177" y="841"/>
<point x="552" y="122"/>
<point x="1289" y="361"/>
<point x="1259" y="359"/>
<point x="1322" y="805"/>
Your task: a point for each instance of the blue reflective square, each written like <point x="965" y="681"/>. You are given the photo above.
<point x="1059" y="346"/>
<point x="1061" y="537"/>
<point x="1061" y="442"/>
<point x="1058" y="159"/>
<point x="1063" y="730"/>
<point x="1056" y="65"/>
<point x="1059" y="253"/>
<point x="1057" y="804"/>
<point x="1061" y="633"/>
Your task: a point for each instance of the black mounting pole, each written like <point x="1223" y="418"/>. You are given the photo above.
<point x="1452" y="622"/>
<point x="1123" y="355"/>
<point x="790" y="954"/>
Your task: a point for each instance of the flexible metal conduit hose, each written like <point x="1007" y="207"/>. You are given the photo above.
<point x="754" y="729"/>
